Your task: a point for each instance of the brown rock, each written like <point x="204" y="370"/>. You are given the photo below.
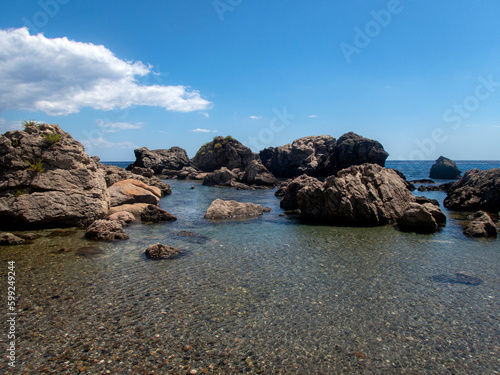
<point x="418" y="218"/>
<point x="132" y="191"/>
<point x="481" y="226"/>
<point x="105" y="230"/>
<point x="159" y="251"/>
<point x="221" y="209"/>
<point x="8" y="239"/>
<point x="154" y="214"/>
<point x="124" y="217"/>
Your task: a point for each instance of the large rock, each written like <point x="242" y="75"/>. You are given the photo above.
<point x="353" y="149"/>
<point x="159" y="251"/>
<point x="220" y="177"/>
<point x="256" y="174"/>
<point x="481" y="226"/>
<point x="113" y="174"/>
<point x="444" y="169"/>
<point x="173" y="159"/>
<point x="47" y="180"/>
<point x="124" y="217"/>
<point x="222" y="152"/>
<point x="131" y="192"/>
<point x="304" y="155"/>
<point x="105" y="230"/>
<point x="155" y="214"/>
<point x="221" y="209"/>
<point x="475" y="190"/>
<point x="135" y="209"/>
<point x="289" y="197"/>
<point x="365" y="194"/>
<point x="418" y="218"/>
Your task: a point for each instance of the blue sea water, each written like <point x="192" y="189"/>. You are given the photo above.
<point x="264" y="295"/>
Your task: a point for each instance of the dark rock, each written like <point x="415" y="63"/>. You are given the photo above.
<point x="47" y="180"/>
<point x="280" y="191"/>
<point x="481" y="226"/>
<point x="221" y="177"/>
<point x="146" y="172"/>
<point x="289" y="200"/>
<point x="131" y="192"/>
<point x="441" y="187"/>
<point x="114" y="174"/>
<point x="105" y="230"/>
<point x="30" y="236"/>
<point x="459" y="278"/>
<point x="444" y="169"/>
<point x="174" y="159"/>
<point x="475" y="190"/>
<point x="417" y="218"/>
<point x="365" y="194"/>
<point x="190" y="173"/>
<point x="422" y="200"/>
<point x="159" y="251"/>
<point x="303" y="156"/>
<point x="8" y="239"/>
<point x="256" y="174"/>
<point x="155" y="214"/>
<point x="423" y="181"/>
<point x="193" y="237"/>
<point x="352" y="149"/>
<point x="221" y="209"/>
<point x="62" y="233"/>
<point x="222" y="152"/>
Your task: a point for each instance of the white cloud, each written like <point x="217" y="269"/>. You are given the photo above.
<point x="495" y="126"/>
<point x="113" y="127"/>
<point x="92" y="143"/>
<point x="198" y="130"/>
<point x="206" y="114"/>
<point x="5" y="125"/>
<point x="312" y="116"/>
<point x="60" y="76"/>
<point x="255" y="117"/>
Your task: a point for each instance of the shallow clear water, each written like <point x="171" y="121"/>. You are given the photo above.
<point x="264" y="295"/>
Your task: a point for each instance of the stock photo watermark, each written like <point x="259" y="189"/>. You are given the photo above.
<point x="363" y="36"/>
<point x="11" y="313"/>
<point x="223" y="6"/>
<point x="455" y="115"/>
<point x="48" y="9"/>
<point x="265" y="135"/>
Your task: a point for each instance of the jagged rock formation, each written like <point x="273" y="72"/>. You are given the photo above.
<point x="155" y="214"/>
<point x="47" y="180"/>
<point x="367" y="194"/>
<point x="161" y="161"/>
<point x="475" y="190"/>
<point x="322" y="155"/>
<point x="444" y="169"/>
<point x="222" y="152"/>
<point x="254" y="176"/>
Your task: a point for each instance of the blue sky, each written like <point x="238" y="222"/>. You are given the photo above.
<point x="422" y="76"/>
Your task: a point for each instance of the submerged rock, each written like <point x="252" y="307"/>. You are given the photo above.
<point x="221" y="209"/>
<point x="8" y="239"/>
<point x="159" y="251"/>
<point x="87" y="251"/>
<point x="475" y="190"/>
<point x="155" y="214"/>
<point x="365" y="194"/>
<point x="105" y="230"/>
<point x="481" y="226"/>
<point x="459" y="278"/>
<point x="444" y="169"/>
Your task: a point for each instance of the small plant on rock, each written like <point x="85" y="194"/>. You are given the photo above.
<point x="15" y="143"/>
<point x="18" y="193"/>
<point x="52" y="138"/>
<point x="36" y="166"/>
<point x="28" y="124"/>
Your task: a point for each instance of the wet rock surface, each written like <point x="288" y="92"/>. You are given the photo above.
<point x="159" y="251"/>
<point x="105" y="230"/>
<point x="9" y="239"/>
<point x="154" y="214"/>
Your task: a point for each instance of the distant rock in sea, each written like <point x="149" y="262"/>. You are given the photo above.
<point x="163" y="161"/>
<point x="444" y="169"/>
<point x="322" y="155"/>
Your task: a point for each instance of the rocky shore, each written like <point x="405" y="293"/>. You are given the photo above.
<point x="47" y="180"/>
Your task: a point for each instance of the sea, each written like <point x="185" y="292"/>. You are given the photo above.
<point x="268" y="295"/>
